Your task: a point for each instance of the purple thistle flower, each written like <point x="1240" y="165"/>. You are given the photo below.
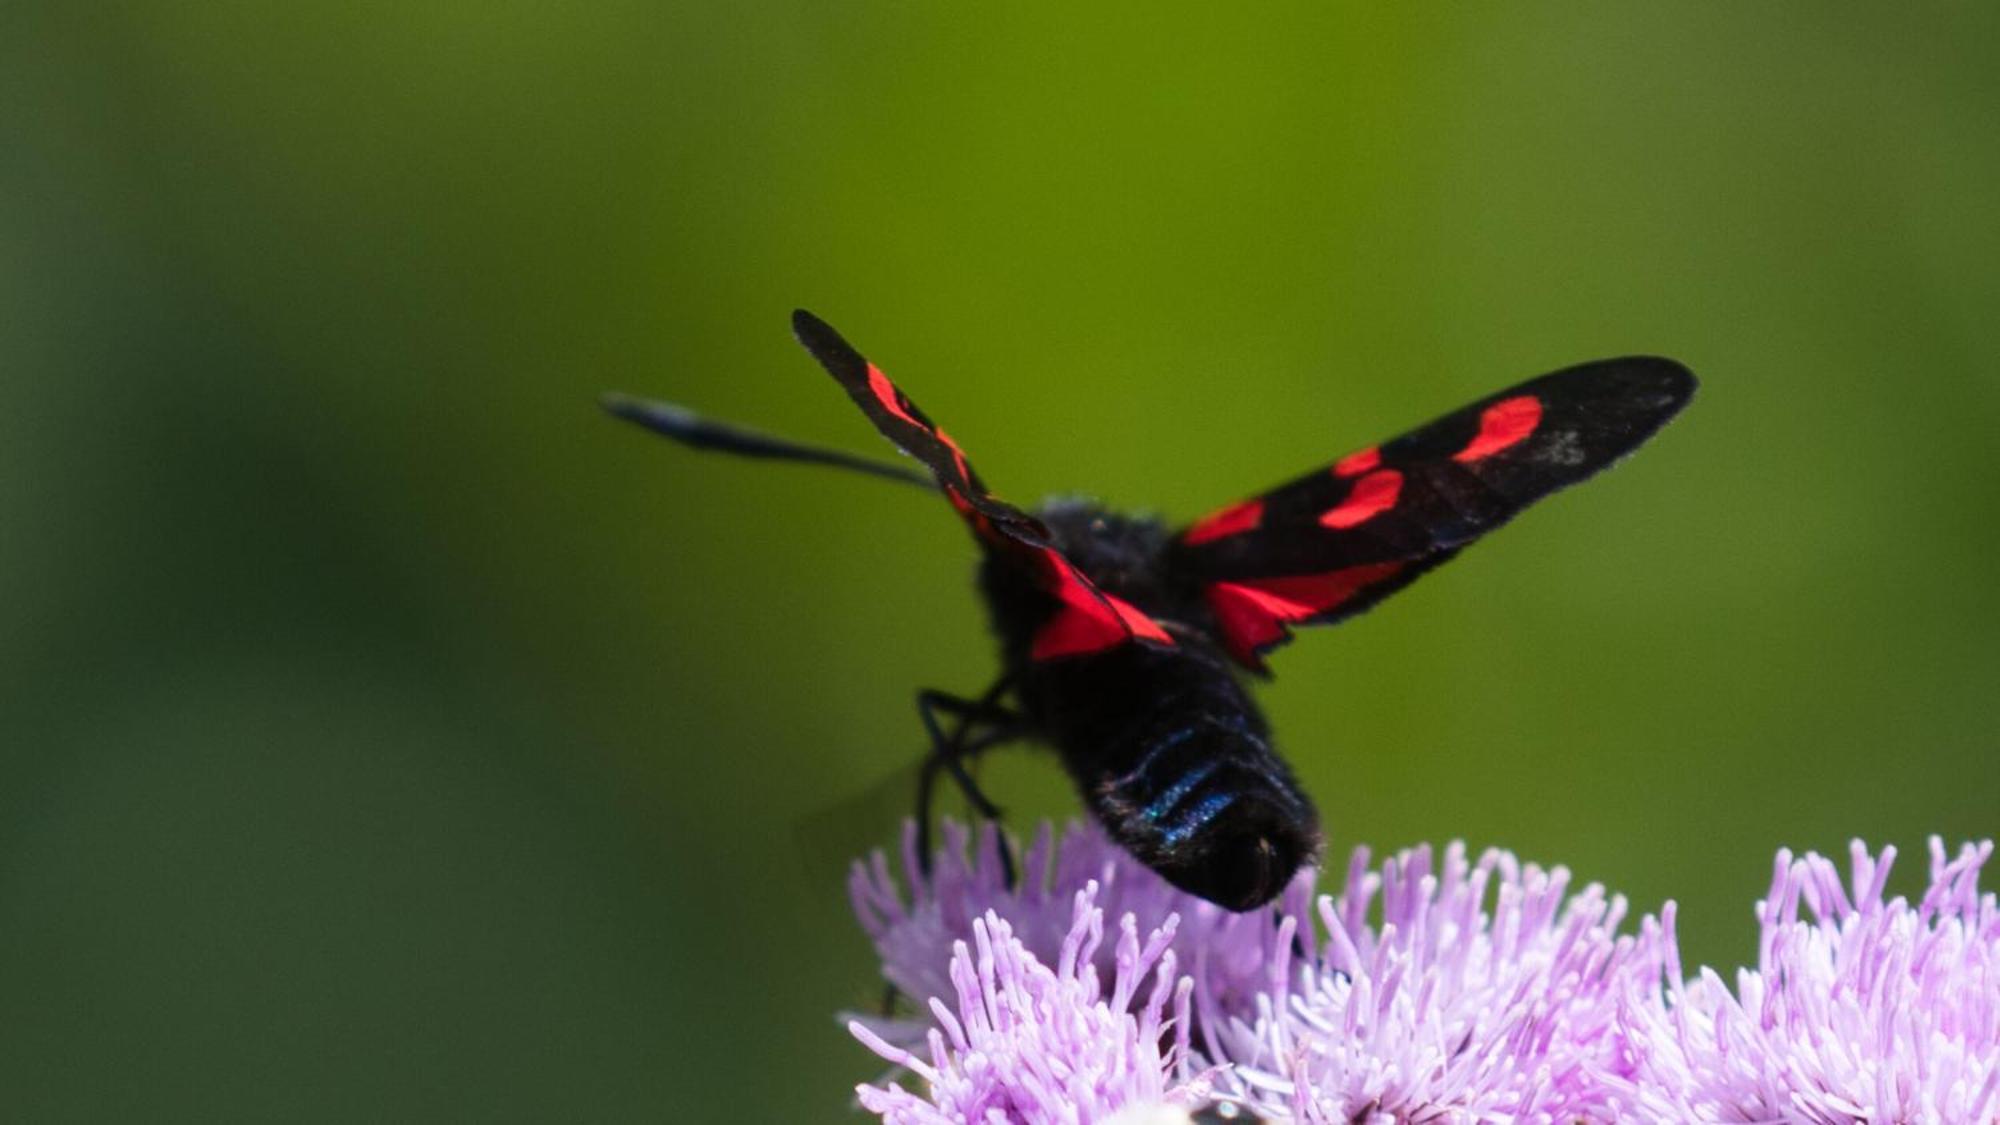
<point x="1866" y="1011"/>
<point x="1035" y="1044"/>
<point x="1450" y="1008"/>
<point x="1447" y="1009"/>
<point x="915" y="936"/>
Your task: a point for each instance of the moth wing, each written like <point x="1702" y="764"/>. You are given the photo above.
<point x="1082" y="618"/>
<point x="904" y="423"/>
<point x="1334" y="542"/>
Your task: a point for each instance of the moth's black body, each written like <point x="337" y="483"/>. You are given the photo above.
<point x="1167" y="749"/>
<point x="1123" y="643"/>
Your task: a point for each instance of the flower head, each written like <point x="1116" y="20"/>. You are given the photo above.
<point x="1861" y="1008"/>
<point x="1471" y="992"/>
<point x="915" y="932"/>
<point x="1030" y="1042"/>
<point x="1483" y="991"/>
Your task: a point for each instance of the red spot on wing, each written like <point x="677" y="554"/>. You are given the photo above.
<point x="1370" y="497"/>
<point x="1135" y="619"/>
<point x="1246" y="620"/>
<point x="1233" y="520"/>
<point x="1253" y="612"/>
<point x="957" y="455"/>
<point x="1354" y="464"/>
<point x="1503" y="425"/>
<point x="1086" y="619"/>
<point x="981" y="525"/>
<point x="885" y="393"/>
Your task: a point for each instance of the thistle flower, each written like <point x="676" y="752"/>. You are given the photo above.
<point x="1033" y="1043"/>
<point x="914" y="934"/>
<point x="1859" y="1009"/>
<point x="1485" y="991"/>
<point x="1445" y="1009"/>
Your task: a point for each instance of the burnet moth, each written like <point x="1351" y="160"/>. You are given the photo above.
<point x="1123" y="642"/>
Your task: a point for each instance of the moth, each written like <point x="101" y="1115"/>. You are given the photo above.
<point x="1125" y="643"/>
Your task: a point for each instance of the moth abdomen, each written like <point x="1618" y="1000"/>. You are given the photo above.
<point x="1204" y="800"/>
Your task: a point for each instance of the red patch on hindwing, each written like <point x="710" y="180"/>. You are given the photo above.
<point x="1370" y="497"/>
<point x="1503" y="425"/>
<point x="1233" y="520"/>
<point x="1142" y="626"/>
<point x="1086" y="619"/>
<point x="1356" y="463"/>
<point x="1254" y="612"/>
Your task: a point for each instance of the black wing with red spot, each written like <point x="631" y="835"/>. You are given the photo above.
<point x="1082" y="618"/>
<point x="904" y="423"/>
<point x="1334" y="542"/>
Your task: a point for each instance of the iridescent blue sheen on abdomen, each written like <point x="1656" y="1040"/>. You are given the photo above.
<point x="1171" y="755"/>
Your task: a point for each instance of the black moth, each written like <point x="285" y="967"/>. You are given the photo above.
<point x="1123" y="641"/>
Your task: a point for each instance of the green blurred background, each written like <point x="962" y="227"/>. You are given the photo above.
<point x="388" y="735"/>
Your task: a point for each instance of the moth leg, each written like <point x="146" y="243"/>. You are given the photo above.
<point x="949" y="751"/>
<point x="927" y="782"/>
<point x="950" y="758"/>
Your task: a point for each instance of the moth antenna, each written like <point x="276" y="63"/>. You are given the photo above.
<point x="693" y="430"/>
